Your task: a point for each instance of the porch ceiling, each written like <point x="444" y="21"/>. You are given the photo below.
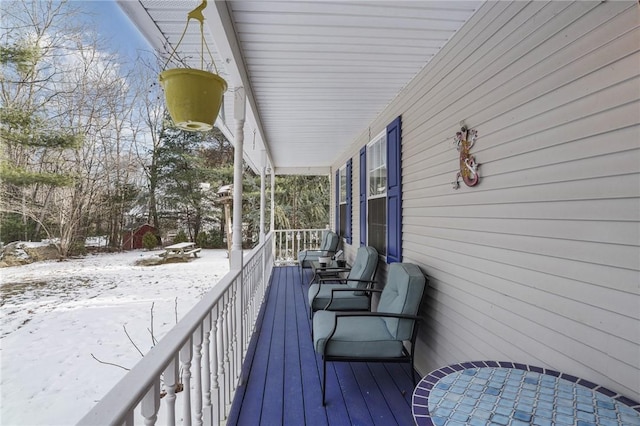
<point x="316" y="73"/>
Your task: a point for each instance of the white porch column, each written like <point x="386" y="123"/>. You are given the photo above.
<point x="239" y="105"/>
<point x="273" y="201"/>
<point x="263" y="203"/>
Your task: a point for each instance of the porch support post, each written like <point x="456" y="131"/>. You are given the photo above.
<point x="263" y="202"/>
<point x="273" y="200"/>
<point x="239" y="116"/>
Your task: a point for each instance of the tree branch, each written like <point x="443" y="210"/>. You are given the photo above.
<point x="109" y="363"/>
<point x="131" y="340"/>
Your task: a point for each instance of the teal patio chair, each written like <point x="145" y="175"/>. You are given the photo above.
<point x="360" y="277"/>
<point x="328" y="248"/>
<point x="379" y="336"/>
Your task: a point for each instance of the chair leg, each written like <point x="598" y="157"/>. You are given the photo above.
<point x="324" y="380"/>
<point x="413" y="371"/>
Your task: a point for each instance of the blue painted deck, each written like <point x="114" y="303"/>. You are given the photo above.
<point x="283" y="373"/>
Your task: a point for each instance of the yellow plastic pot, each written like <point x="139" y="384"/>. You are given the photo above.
<point x="193" y="97"/>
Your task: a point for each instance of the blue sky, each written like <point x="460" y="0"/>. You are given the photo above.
<point x="115" y="26"/>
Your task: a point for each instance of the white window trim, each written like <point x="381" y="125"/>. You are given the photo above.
<point x="373" y="141"/>
<point x="340" y="182"/>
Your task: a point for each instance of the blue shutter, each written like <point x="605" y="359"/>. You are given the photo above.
<point x="394" y="192"/>
<point x="337" y="201"/>
<point x="347" y="228"/>
<point x="363" y="196"/>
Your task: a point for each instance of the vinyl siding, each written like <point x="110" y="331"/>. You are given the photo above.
<point x="539" y="263"/>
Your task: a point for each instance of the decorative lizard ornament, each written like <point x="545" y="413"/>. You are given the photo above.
<point x="464" y="140"/>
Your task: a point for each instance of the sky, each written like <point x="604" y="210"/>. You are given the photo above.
<point x="56" y="315"/>
<point x="115" y="26"/>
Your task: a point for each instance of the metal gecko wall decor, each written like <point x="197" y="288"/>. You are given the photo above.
<point x="464" y="140"/>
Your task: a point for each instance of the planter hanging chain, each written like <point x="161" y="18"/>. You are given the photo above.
<point x="197" y="15"/>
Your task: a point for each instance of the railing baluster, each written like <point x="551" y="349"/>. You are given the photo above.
<point x="170" y="382"/>
<point x="225" y="354"/>
<point x="232" y="343"/>
<point x="151" y="404"/>
<point x="216" y="363"/>
<point x="206" y="371"/>
<point x="237" y="328"/>
<point x="197" y="361"/>
<point x="185" y="369"/>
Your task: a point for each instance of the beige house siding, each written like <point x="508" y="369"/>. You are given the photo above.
<point x="539" y="263"/>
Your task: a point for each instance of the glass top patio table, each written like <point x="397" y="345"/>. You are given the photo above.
<point x="330" y="270"/>
<point x="505" y="393"/>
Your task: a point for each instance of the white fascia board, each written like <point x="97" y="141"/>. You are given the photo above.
<point x="138" y="14"/>
<point x="309" y="171"/>
<point x="218" y="18"/>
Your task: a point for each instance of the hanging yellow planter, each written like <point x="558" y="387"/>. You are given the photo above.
<point x="193" y="96"/>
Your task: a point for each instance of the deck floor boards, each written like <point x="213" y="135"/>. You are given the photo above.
<point x="283" y="373"/>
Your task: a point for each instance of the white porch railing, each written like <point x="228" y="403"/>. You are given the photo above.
<point x="288" y="242"/>
<point x="197" y="366"/>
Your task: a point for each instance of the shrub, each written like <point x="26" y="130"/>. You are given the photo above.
<point x="203" y="240"/>
<point x="149" y="240"/>
<point x="180" y="237"/>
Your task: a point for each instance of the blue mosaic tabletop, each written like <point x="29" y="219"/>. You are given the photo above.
<point x="504" y="393"/>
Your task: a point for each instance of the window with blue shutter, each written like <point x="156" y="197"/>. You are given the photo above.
<point x="363" y="196"/>
<point x="377" y="193"/>
<point x="347" y="228"/>
<point x="337" y="200"/>
<point x="394" y="191"/>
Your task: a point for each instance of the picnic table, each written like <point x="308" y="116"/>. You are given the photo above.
<point x="182" y="250"/>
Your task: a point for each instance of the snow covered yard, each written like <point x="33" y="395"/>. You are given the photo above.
<point x="55" y="315"/>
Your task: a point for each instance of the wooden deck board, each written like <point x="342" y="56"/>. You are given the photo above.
<point x="283" y="372"/>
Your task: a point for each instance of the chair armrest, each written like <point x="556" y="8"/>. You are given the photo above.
<point x="340" y="314"/>
<point x="315" y="251"/>
<point x="364" y="290"/>
<point x="361" y="281"/>
<point x="332" y="271"/>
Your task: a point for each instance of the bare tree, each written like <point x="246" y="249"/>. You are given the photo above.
<point x="62" y="75"/>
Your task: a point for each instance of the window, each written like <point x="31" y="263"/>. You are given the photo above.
<point x="343" y="201"/>
<point x="381" y="193"/>
<point x="377" y="193"/>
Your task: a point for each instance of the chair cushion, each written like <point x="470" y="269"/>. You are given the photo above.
<point x="364" y="267"/>
<point x="328" y="247"/>
<point x="402" y="294"/>
<point x="354" y="337"/>
<point x="330" y="241"/>
<point x="305" y="257"/>
<point x="342" y="300"/>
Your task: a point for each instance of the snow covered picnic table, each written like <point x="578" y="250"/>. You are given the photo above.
<point x="185" y="249"/>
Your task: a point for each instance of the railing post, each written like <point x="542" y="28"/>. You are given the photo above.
<point x="186" y="353"/>
<point x="218" y="377"/>
<point x="239" y="116"/>
<point x="225" y="346"/>
<point x="262" y="195"/>
<point x="206" y="372"/>
<point x="151" y="404"/>
<point x="170" y="382"/>
<point x="197" y="403"/>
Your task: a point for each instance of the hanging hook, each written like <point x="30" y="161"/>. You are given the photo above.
<point x="198" y="16"/>
<point x="197" y="12"/>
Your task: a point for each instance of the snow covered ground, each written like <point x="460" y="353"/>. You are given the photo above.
<point x="55" y="315"/>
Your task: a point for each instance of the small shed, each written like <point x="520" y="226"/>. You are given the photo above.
<point x="132" y="239"/>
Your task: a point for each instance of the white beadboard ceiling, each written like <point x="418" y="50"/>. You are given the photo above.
<point x="316" y="73"/>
